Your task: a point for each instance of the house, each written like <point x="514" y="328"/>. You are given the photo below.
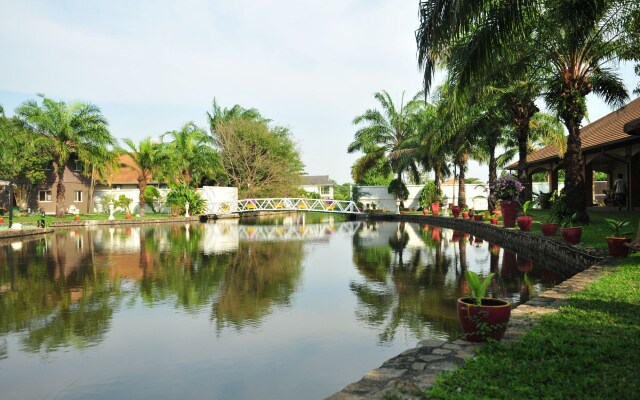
<point x="606" y="147"/>
<point x="319" y="184"/>
<point x="76" y="186"/>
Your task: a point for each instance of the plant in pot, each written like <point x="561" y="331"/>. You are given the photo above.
<point x="477" y="217"/>
<point x="125" y="203"/>
<point x="506" y="190"/>
<point x="430" y="197"/>
<point x="482" y="318"/>
<point x="618" y="238"/>
<point x="550" y="227"/>
<point x="524" y="221"/>
<point x="465" y="213"/>
<point x="494" y="218"/>
<point x="571" y="233"/>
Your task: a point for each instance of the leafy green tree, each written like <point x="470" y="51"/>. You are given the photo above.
<point x="574" y="41"/>
<point x="64" y="129"/>
<point x="153" y="197"/>
<point x="192" y="155"/>
<point x="383" y="137"/>
<point x="260" y="160"/>
<point x="148" y="158"/>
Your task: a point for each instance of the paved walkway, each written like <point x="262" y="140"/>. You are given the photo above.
<point x="416" y="369"/>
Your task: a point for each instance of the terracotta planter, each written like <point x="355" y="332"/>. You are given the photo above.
<point x="76" y="218"/>
<point x="1" y="220"/>
<point x="549" y="229"/>
<point x="477" y="217"/>
<point x="494" y="221"/>
<point x="617" y="247"/>
<point x="425" y="211"/>
<point x="435" y="208"/>
<point x="508" y="209"/>
<point x="488" y="320"/>
<point x="524" y="222"/>
<point x="571" y="235"/>
<point x="465" y="215"/>
<point x="456" y="211"/>
<point x="127" y="215"/>
<point x="174" y="215"/>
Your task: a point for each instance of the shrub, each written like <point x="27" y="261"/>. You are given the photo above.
<point x="180" y="194"/>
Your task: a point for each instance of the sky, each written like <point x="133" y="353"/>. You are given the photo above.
<point x="152" y="66"/>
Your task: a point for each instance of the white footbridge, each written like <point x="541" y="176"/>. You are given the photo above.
<point x="281" y="204"/>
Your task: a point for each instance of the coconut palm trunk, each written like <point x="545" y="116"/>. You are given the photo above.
<point x="60" y="190"/>
<point x="142" y="185"/>
<point x="493" y="170"/>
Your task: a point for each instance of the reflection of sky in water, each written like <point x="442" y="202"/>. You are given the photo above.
<point x="306" y="333"/>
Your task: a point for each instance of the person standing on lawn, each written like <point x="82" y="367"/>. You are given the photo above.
<point x="620" y="192"/>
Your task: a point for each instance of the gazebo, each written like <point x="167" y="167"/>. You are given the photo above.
<point x="610" y="145"/>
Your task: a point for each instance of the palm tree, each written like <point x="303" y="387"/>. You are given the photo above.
<point x="148" y="158"/>
<point x="99" y="165"/>
<point x="193" y="156"/>
<point x="219" y="114"/>
<point x="384" y="136"/>
<point x="573" y="43"/>
<point x="66" y="129"/>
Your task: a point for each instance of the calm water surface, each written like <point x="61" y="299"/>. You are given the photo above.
<point x="275" y="310"/>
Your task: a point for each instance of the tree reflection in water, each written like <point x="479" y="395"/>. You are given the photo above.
<point x="412" y="276"/>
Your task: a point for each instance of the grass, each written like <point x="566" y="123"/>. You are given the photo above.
<point x="33" y="218"/>
<point x="587" y="350"/>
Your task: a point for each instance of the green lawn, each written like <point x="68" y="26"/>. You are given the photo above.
<point x="589" y="350"/>
<point x="33" y="219"/>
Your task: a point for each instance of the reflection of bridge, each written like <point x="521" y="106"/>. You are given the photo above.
<point x="291" y="232"/>
<point x="282" y="204"/>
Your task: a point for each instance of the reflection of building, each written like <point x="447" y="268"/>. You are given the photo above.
<point x="220" y="236"/>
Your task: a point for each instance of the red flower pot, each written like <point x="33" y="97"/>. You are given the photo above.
<point x="477" y="217"/>
<point x="524" y="222"/>
<point x="1" y="220"/>
<point x="127" y="215"/>
<point x="488" y="320"/>
<point x="471" y="213"/>
<point x="617" y="247"/>
<point x="571" y="235"/>
<point x="508" y="209"/>
<point x="76" y="218"/>
<point x="494" y="221"/>
<point x="425" y="211"/>
<point x="435" y="208"/>
<point x="455" y="210"/>
<point x="549" y="229"/>
<point x="465" y="215"/>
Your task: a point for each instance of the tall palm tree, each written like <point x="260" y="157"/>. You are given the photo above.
<point x="192" y="154"/>
<point x="574" y="40"/>
<point x="149" y="158"/>
<point x="99" y="165"/>
<point x="219" y="114"/>
<point x="384" y="135"/>
<point x="66" y="129"/>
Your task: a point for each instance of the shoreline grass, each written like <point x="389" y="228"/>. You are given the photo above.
<point x="587" y="350"/>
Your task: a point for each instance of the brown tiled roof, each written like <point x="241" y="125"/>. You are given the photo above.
<point x="606" y="130"/>
<point x="127" y="174"/>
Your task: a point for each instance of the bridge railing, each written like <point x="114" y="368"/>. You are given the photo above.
<point x="283" y="204"/>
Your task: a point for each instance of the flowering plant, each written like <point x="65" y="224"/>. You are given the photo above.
<point x="506" y="188"/>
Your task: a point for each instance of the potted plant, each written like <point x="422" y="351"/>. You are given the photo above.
<point x="471" y="213"/>
<point x="506" y="190"/>
<point x="571" y="233"/>
<point x="455" y="211"/>
<point x="124" y="202"/>
<point x="477" y="217"/>
<point x="524" y="221"/>
<point x="480" y="317"/>
<point x="76" y="217"/>
<point x="465" y="213"/>
<point x="550" y="227"/>
<point x="494" y="219"/>
<point x="618" y="238"/>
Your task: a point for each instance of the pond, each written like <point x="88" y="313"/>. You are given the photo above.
<point x="281" y="309"/>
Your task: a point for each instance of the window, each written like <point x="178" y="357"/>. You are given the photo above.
<point x="77" y="165"/>
<point x="77" y="196"/>
<point x="44" y="195"/>
<point x="324" y="189"/>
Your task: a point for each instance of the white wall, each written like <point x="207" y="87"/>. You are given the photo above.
<point x="133" y="194"/>
<point x="476" y="196"/>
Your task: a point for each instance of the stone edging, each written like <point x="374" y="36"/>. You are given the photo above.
<point x="416" y="369"/>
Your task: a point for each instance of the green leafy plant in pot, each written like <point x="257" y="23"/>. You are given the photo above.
<point x="550" y="226"/>
<point x="524" y="221"/>
<point x="618" y="238"/>
<point x="482" y="318"/>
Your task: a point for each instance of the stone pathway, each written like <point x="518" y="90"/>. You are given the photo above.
<point x="416" y="369"/>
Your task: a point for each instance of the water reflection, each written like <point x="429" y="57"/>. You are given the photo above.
<point x="225" y="298"/>
<point x="412" y="275"/>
